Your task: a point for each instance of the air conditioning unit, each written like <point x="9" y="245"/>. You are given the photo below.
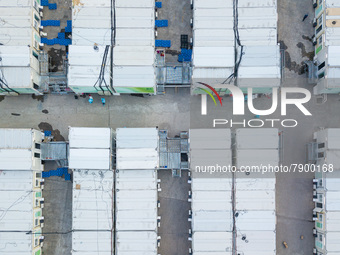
<point x="315" y="22"/>
<point x="42" y="183"/>
<point x="315" y="3"/>
<point x="42" y="203"/>
<point x="314" y="41"/>
<point x="192" y="4"/>
<point x="42" y="221"/>
<point x="314" y="194"/>
<point x="41" y="241"/>
<point x="314" y="232"/>
<point x="43" y="34"/>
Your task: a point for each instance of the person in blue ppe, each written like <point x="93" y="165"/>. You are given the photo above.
<point x="103" y="101"/>
<point x="90" y="99"/>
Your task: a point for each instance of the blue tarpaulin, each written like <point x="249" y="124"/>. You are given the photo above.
<point x="59" y="172"/>
<point x="163" y="43"/>
<point x="161" y="23"/>
<point x="53" y="23"/>
<point x="185" y="55"/>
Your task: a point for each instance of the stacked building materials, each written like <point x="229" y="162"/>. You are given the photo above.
<point x="136" y="191"/>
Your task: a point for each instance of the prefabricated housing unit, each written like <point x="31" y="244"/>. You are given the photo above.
<point x="90" y="148"/>
<point x="91" y="26"/>
<point x="235" y="42"/>
<point x="21" y="186"/>
<point x="209" y="148"/>
<point x="213" y="50"/>
<point x="260" y="67"/>
<point x="21" y="212"/>
<point x="327" y="48"/>
<point x="20" y="149"/>
<point x="92" y="212"/>
<point x="327" y="213"/>
<point x="328" y="148"/>
<point x="255" y="192"/>
<point x="137" y="162"/>
<point x="93" y="190"/>
<point x="211" y="201"/>
<point x="21" y="60"/>
<point x="134" y="52"/>
<point x="255" y="215"/>
<point x="257" y="148"/>
<point x="116" y="62"/>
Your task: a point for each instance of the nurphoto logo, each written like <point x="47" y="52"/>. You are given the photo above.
<point x="239" y="104"/>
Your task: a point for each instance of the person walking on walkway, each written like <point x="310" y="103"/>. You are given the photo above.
<point x="103" y="101"/>
<point x="90" y="99"/>
<point x="305" y="17"/>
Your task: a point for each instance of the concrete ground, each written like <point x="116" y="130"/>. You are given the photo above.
<point x="174" y="212"/>
<point x="58" y="214"/>
<point x="57" y="53"/>
<point x="168" y="111"/>
<point x="294" y="35"/>
<point x="178" y="13"/>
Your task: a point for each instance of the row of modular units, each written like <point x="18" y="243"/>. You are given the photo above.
<point x="114" y="206"/>
<point x="235" y="42"/>
<point x="20" y="48"/>
<point x="326" y="192"/>
<point x="113" y="63"/>
<point x="327" y="47"/>
<point x="233" y="211"/>
<point x="21" y="192"/>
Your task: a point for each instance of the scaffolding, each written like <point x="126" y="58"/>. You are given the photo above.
<point x="57" y="83"/>
<point x="173" y="152"/>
